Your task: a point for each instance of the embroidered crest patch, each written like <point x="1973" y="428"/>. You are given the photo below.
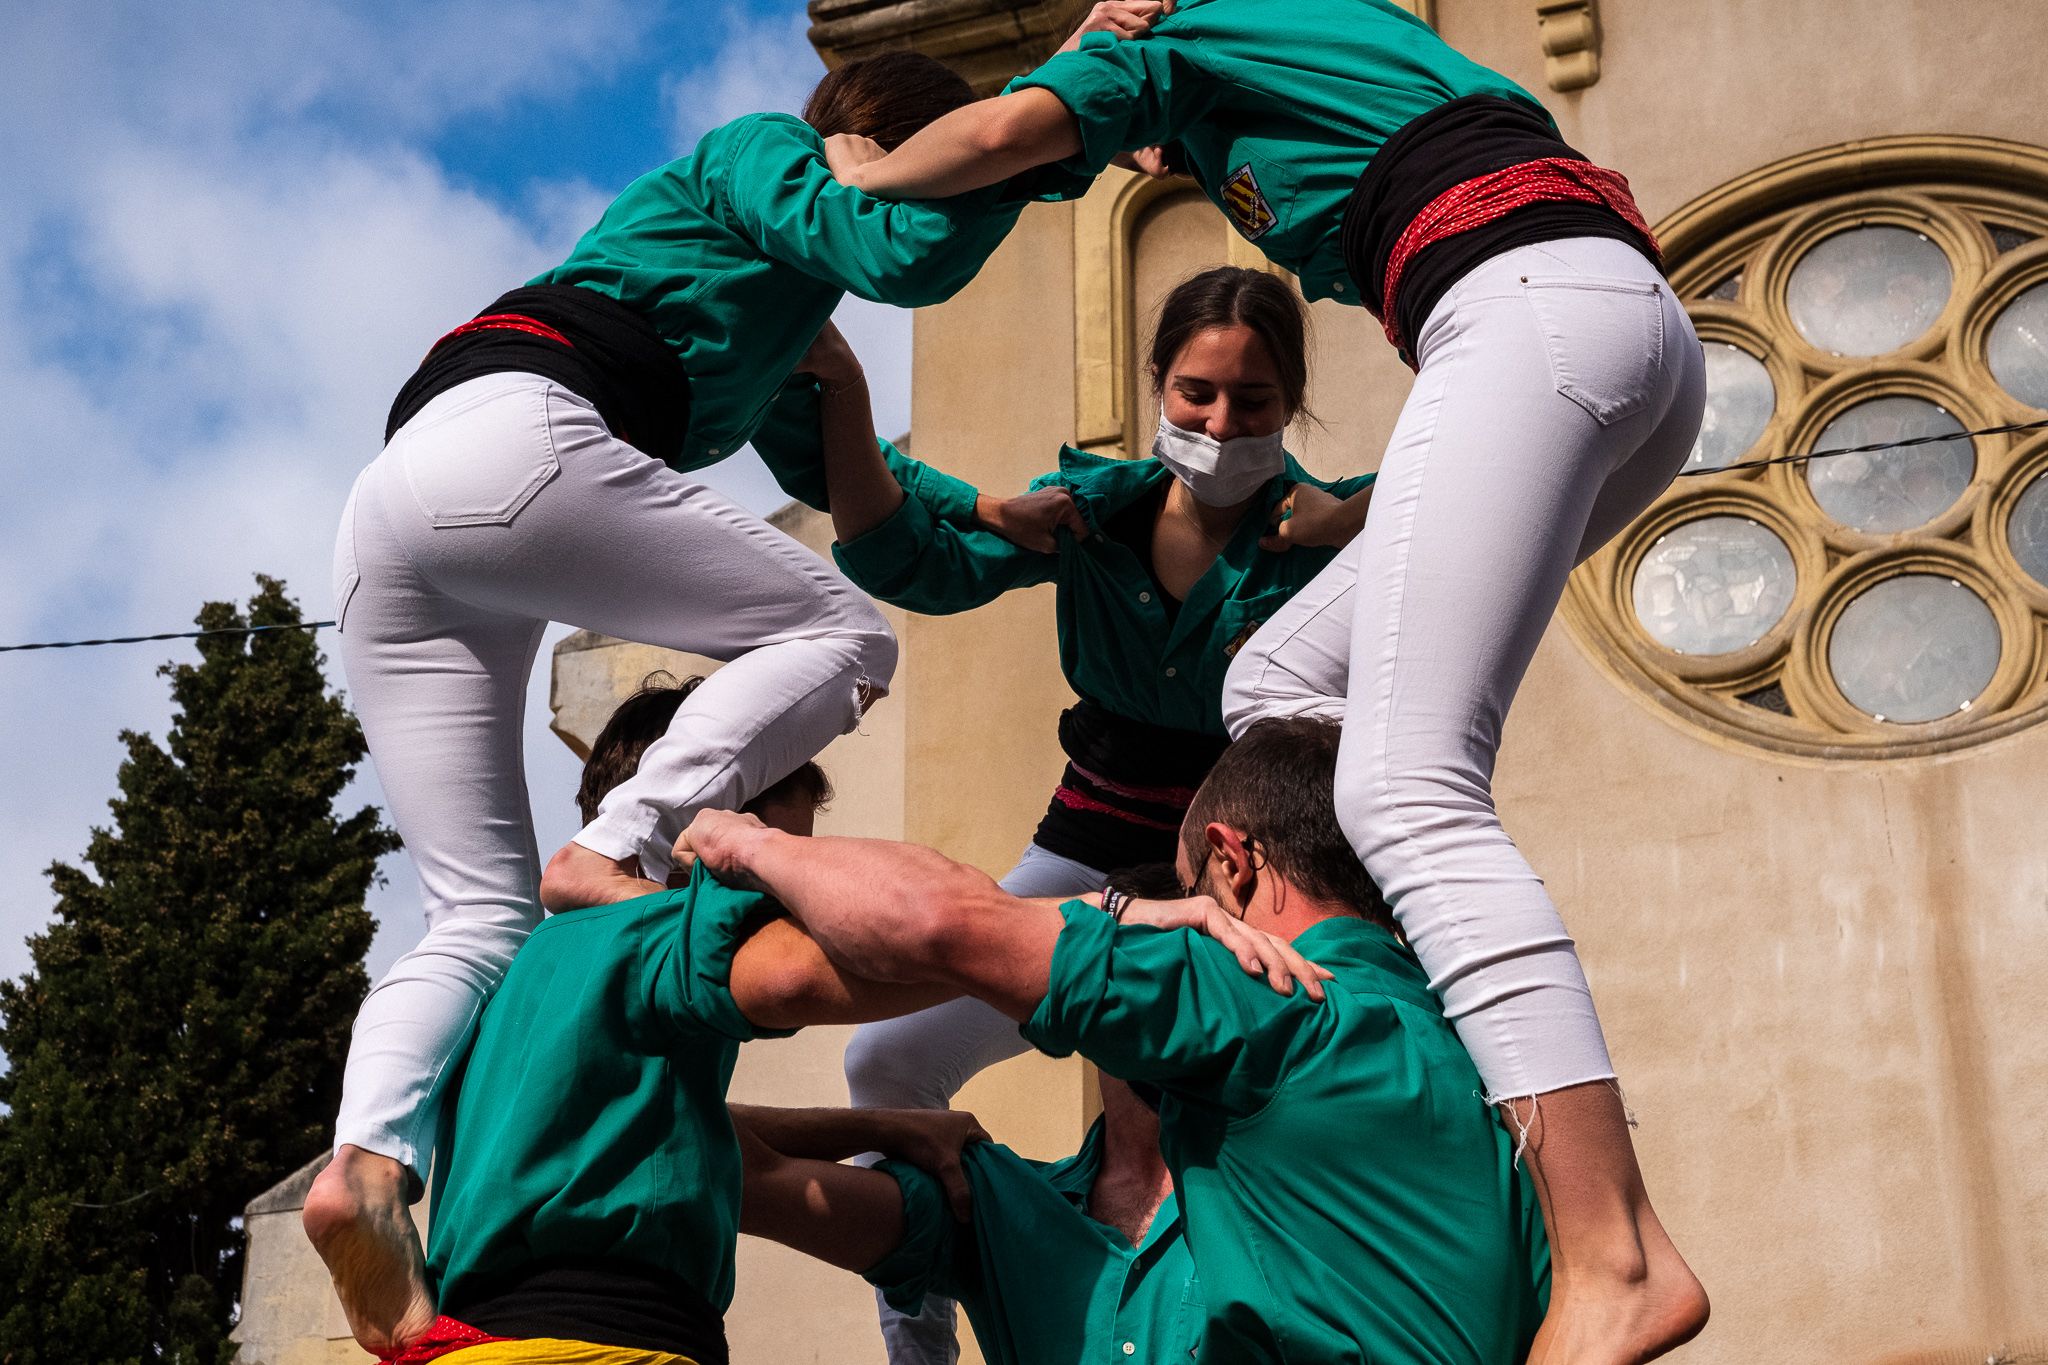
<point x="1238" y="640"/>
<point x="1246" y="203"/>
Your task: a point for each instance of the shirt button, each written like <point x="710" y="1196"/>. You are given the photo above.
<point x="713" y="451"/>
<point x="1144" y="597"/>
<point x="1337" y="287"/>
<point x="1172" y="672"/>
<point x="1130" y="1348"/>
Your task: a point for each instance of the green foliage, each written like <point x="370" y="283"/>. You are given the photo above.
<point x="177" y="1047"/>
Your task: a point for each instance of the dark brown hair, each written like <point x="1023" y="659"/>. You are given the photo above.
<point x="643" y="718"/>
<point x="1234" y="296"/>
<point x="886" y="97"/>
<point x="1276" y="786"/>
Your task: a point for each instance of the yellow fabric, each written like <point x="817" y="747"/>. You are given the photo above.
<point x="550" y="1351"/>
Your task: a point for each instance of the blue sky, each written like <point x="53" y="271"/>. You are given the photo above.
<point x="227" y="232"/>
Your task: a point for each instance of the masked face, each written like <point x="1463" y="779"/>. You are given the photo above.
<point x="1218" y="473"/>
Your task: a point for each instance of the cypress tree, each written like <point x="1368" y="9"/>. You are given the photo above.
<point x="177" y="1045"/>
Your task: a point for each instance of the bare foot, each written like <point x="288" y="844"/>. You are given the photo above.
<point x="357" y="1218"/>
<point x="577" y="877"/>
<point x="1620" y="1292"/>
<point x="1623" y="1318"/>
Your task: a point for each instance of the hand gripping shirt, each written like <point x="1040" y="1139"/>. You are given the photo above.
<point x="740" y="251"/>
<point x="1276" y="107"/>
<point x="589" y="1121"/>
<point x="1119" y="645"/>
<point x="1348" y="1195"/>
<point x="1041" y="1280"/>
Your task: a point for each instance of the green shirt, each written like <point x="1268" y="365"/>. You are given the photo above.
<point x="1118" y="645"/>
<point x="787" y="443"/>
<point x="1042" y="1282"/>
<point x="1348" y="1194"/>
<point x="739" y="252"/>
<point x="1277" y="106"/>
<point x="590" y="1120"/>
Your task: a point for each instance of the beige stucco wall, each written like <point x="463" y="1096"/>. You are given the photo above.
<point x="1820" y="980"/>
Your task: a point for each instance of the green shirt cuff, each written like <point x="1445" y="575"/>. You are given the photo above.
<point x="717" y="921"/>
<point x="947" y="498"/>
<point x="907" y="1274"/>
<point x="879" y="560"/>
<point x="1096" y="92"/>
<point x="1074" y="987"/>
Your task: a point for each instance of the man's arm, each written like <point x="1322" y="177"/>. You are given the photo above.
<point x="900" y="912"/>
<point x="933" y="1140"/>
<point x="843" y="1215"/>
<point x="781" y="979"/>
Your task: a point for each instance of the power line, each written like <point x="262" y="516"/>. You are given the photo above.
<point x="168" y="635"/>
<point x="2008" y="428"/>
<point x="2004" y="430"/>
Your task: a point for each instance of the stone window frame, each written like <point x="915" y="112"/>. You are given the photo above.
<point x="1729" y="254"/>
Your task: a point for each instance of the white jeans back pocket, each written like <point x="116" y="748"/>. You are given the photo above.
<point x="479" y="464"/>
<point x="1605" y="339"/>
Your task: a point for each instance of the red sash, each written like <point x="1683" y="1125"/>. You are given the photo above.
<point x="1482" y="199"/>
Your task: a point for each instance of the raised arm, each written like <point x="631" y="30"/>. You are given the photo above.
<point x="1107" y="91"/>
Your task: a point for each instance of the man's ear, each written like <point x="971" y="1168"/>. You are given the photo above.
<point x="1240" y="873"/>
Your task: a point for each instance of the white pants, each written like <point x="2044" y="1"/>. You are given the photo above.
<point x="922" y="1060"/>
<point x="502" y="505"/>
<point x="1560" y="390"/>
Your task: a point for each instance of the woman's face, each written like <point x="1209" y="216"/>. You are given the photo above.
<point x="1224" y="384"/>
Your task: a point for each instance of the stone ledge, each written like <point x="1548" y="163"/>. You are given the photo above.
<point x="986" y="41"/>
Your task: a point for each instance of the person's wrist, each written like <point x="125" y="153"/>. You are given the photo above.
<point x="988" y="511"/>
<point x="839" y="387"/>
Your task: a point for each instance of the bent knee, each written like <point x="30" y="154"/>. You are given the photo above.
<point x="886" y="1069"/>
<point x="1383" y="813"/>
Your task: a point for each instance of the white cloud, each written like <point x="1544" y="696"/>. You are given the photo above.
<point x="761" y="65"/>
<point x="205" y="307"/>
<point x="222" y="248"/>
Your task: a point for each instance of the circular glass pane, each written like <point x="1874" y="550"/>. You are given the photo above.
<point x="1891" y="490"/>
<point x="1914" y="648"/>
<point x="2018" y="347"/>
<point x="1869" y="290"/>
<point x="2027" y="530"/>
<point x="1740" y="400"/>
<point x="1714" y="585"/>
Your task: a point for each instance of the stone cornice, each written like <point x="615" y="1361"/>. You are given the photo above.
<point x="986" y="41"/>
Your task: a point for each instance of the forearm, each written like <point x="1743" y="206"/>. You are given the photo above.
<point x="983" y="144"/>
<point x="842" y="1215"/>
<point x="859" y="488"/>
<point x="1351" y="513"/>
<point x="899" y="912"/>
<point x="822" y="1134"/>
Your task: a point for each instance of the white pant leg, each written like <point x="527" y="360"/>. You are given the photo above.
<point x="1561" y="387"/>
<point x="505" y="504"/>
<point x="922" y="1060"/>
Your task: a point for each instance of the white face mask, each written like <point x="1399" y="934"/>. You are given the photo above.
<point x="1218" y="473"/>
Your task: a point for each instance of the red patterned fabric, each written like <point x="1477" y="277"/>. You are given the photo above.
<point x="1079" y="800"/>
<point x="1165" y="796"/>
<point x="1480" y="200"/>
<point x="443" y="1338"/>
<point x="507" y="322"/>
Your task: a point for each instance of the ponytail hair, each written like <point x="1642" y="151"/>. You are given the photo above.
<point x="887" y="97"/>
<point x="1234" y="296"/>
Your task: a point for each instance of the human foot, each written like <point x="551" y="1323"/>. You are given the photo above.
<point x="576" y="877"/>
<point x="357" y="1219"/>
<point x="1620" y="1292"/>
<point x="1621" y="1320"/>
